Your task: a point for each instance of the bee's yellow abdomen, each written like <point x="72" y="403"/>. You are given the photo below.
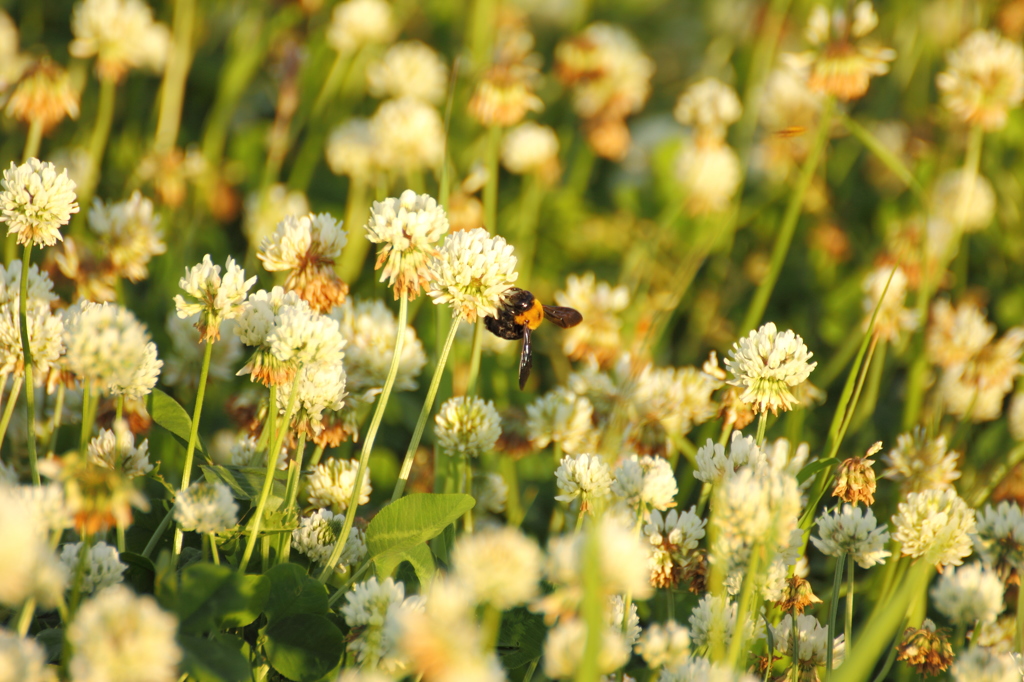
<point x="532" y="317"/>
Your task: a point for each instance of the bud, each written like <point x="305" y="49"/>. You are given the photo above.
<point x="925" y="649"/>
<point x="696" y="572"/>
<point x="44" y="94"/>
<point x="855" y="480"/>
<point x="797" y="596"/>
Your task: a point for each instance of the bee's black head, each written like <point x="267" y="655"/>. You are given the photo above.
<point x="520" y="300"/>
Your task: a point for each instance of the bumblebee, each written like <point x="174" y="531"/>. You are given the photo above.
<point x="519" y="316"/>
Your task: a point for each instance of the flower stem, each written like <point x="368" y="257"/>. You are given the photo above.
<point x="848" y="624"/>
<point x="58" y="412"/>
<point x="9" y="408"/>
<point x="371" y="435"/>
<point x="474" y="357"/>
<point x="789" y="220"/>
<point x="428" y="405"/>
<point x="28" y="610"/>
<point x="76" y="584"/>
<point x="491" y="188"/>
<point x="158" y="533"/>
<point x="762" y="426"/>
<point x="291" y="492"/>
<point x="833" y="610"/>
<point x="1019" y="639"/>
<point x="212" y="539"/>
<point x="89" y="400"/>
<point x="268" y="480"/>
<point x="26" y="349"/>
<point x="193" y="436"/>
<point x="97" y="147"/>
<point x="32" y="141"/>
<point x="179" y="60"/>
<point x="972" y="162"/>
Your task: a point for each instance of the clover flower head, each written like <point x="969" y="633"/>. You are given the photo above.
<point x="116" y="449"/>
<point x="983" y="80"/>
<point x="121" y="34"/>
<point x="409" y="69"/>
<point x="103" y="566"/>
<point x="936" y="525"/>
<point x="130" y="234"/>
<point x="408" y="134"/>
<point x="307" y="247"/>
<point x="855" y="532"/>
<point x="968" y="594"/>
<point x="467" y="426"/>
<point x="710" y="106"/>
<point x="812" y="644"/>
<point x="331" y="484"/>
<point x="213" y="297"/>
<point x="407" y="228"/>
<point x="370" y="328"/>
<point x="206" y="508"/>
<point x="355" y="23"/>
<point x="560" y="416"/>
<point x="647" y="480"/>
<point x="472" y="272"/>
<point x="318" y="533"/>
<point x="768" y="364"/>
<point x="35" y="201"/>
<point x="584" y="476"/>
<point x="498" y="566"/>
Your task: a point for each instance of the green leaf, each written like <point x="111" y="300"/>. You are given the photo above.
<point x="256" y="590"/>
<point x="206" y="594"/>
<point x="292" y="592"/>
<point x="814" y="467"/>
<point x="214" y="660"/>
<point x="169" y="415"/>
<point x="420" y="557"/>
<point x="141" y="573"/>
<point x="411" y="521"/>
<point x="303" y="647"/>
<point x="521" y="638"/>
<point x="246" y="483"/>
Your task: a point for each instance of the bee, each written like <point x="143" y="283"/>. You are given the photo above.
<point x="519" y="315"/>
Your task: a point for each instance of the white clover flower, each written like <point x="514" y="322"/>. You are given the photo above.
<point x="936" y="525"/>
<point x="121" y="34"/>
<point x="647" y="480"/>
<point x="956" y="335"/>
<point x="23" y="660"/>
<point x="981" y="664"/>
<point x="409" y="69"/>
<point x="967" y="200"/>
<point x="301" y="336"/>
<point x="35" y="201"/>
<point x="714" y="615"/>
<point x="40" y="286"/>
<point x="490" y="492"/>
<point x="664" y="645"/>
<point x="351" y="149"/>
<point x="109" y="348"/>
<point x="409" y="135"/>
<point x="710" y="174"/>
<point x="472" y="272"/>
<point x="599" y="334"/>
<point x="211" y="296"/>
<point x="206" y="508"/>
<point x="184" y="361"/>
<point x="560" y="416"/>
<point x="616" y="614"/>
<point x="262" y="211"/>
<point x="767" y="364"/>
<point x="378" y="609"/>
<point x="567" y="641"/>
<point x="500" y="567"/>
<point x="853" y="531"/>
<point x="45" y="337"/>
<point x="331" y="484"/>
<point x="28" y="568"/>
<point x="984" y="79"/>
<point x="48" y="504"/>
<point x="585" y="476"/>
<point x="370" y="329"/>
<point x="812" y="648"/>
<point x="443" y="636"/>
<point x="665" y="403"/>
<point x="320" y="387"/>
<point x="307" y="247"/>
<point x="467" y="426"/>
<point x="715" y="464"/>
<point x="408" y="229"/>
<point x="317" y="535"/>
<point x="115" y="449"/>
<point x="1000" y="535"/>
<point x="922" y="463"/>
<point x="969" y="594"/>
<point x="529" y="148"/>
<point x="355" y="23"/>
<point x="673" y="537"/>
<point x="130" y="234"/>
<point x="977" y="388"/>
<point x="710" y="106"/>
<point x="697" y="669"/>
<point x="621" y="82"/>
<point x="119" y="637"/>
<point x="103" y="566"/>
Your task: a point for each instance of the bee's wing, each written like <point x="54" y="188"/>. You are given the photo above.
<point x="562" y="316"/>
<point x="525" y="357"/>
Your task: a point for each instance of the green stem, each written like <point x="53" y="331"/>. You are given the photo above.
<point x="1020" y="622"/>
<point x="28" y="610"/>
<point x="159" y="532"/>
<point x="76" y="584"/>
<point x="848" y="624"/>
<point x="212" y="539"/>
<point x="268" y="479"/>
<point x="354" y="254"/>
<point x="744" y="607"/>
<point x="97" y="147"/>
<point x="474" y="357"/>
<point x="179" y="61"/>
<point x="12" y="399"/>
<point x="89" y="400"/>
<point x="972" y="162"/>
<point x="33" y="140"/>
<point x="789" y="220"/>
<point x="491" y="188"/>
<point x="992" y="481"/>
<point x="193" y="436"/>
<point x="58" y="414"/>
<point x="529" y="213"/>
<point x="371" y="435"/>
<point x="428" y="405"/>
<point x="762" y="426"/>
<point x="885" y="155"/>
<point x="833" y="610"/>
<point x="315" y="458"/>
<point x="292" y="492"/>
<point x="26" y="349"/>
